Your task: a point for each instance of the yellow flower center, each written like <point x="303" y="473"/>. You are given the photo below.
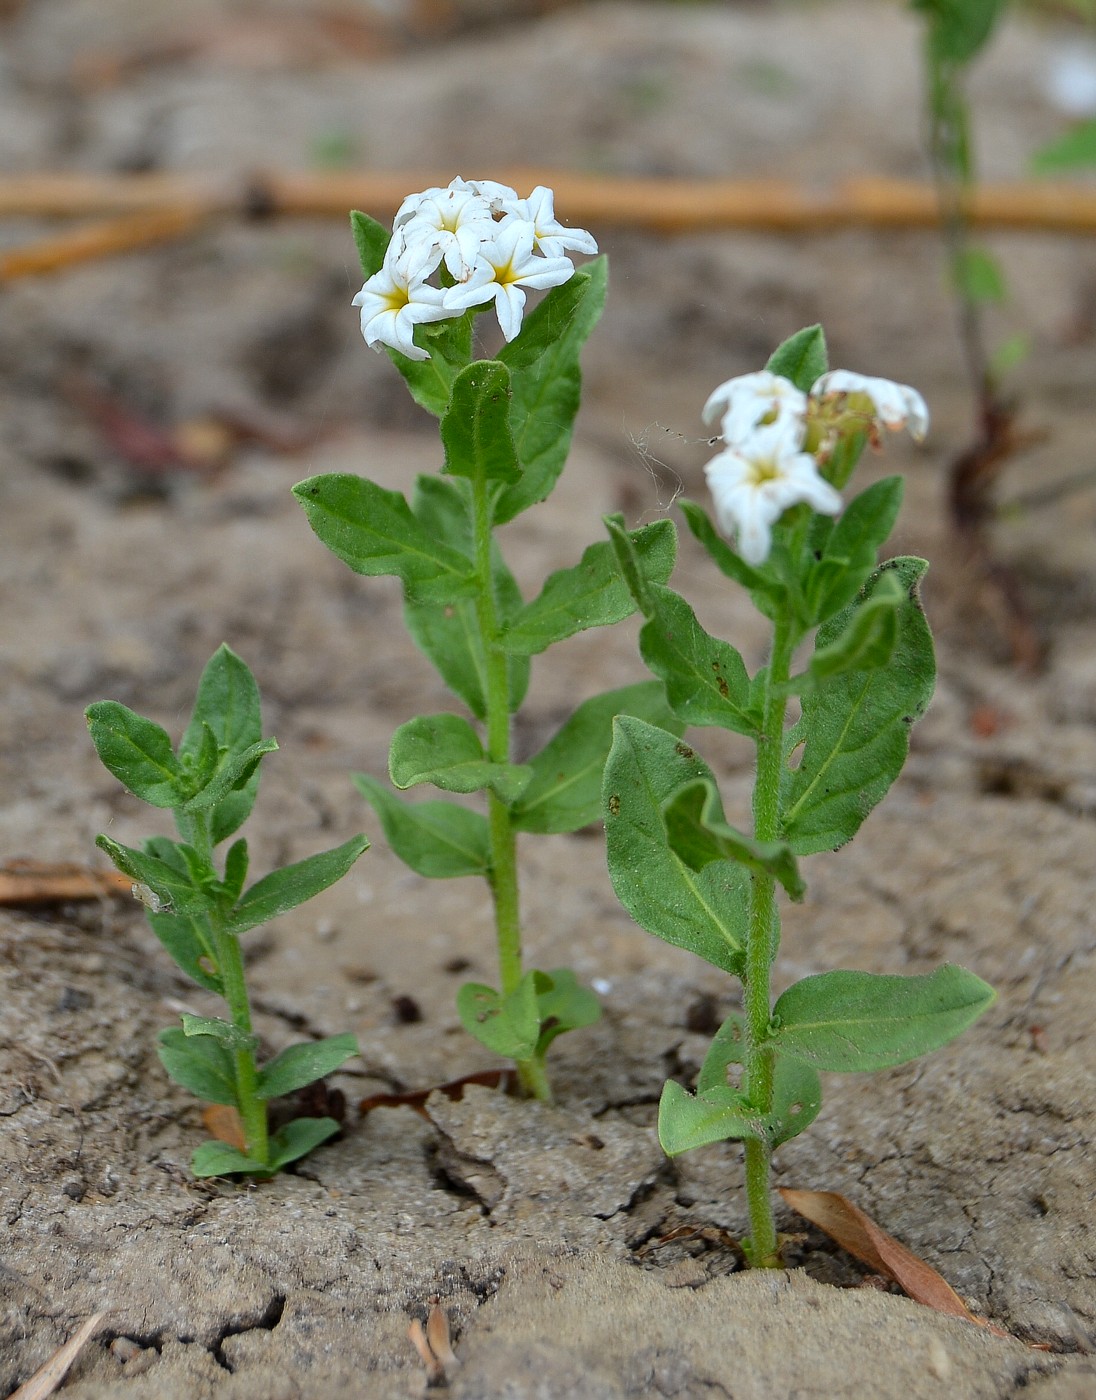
<point x="762" y="471"/>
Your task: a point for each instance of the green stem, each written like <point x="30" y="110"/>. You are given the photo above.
<point x="759" y="1063"/>
<point x="252" y="1108"/>
<point x="504" y="866"/>
<point x="230" y="964"/>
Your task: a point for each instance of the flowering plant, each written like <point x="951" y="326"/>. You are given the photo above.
<point x="505" y="426"/>
<point x="792" y="435"/>
<point x="199" y="912"/>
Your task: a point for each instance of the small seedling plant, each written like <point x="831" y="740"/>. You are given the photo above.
<point x="506" y="424"/>
<point x="791" y="437"/>
<point x="198" y="906"/>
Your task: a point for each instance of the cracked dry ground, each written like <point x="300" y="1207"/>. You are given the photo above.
<point x="538" y="1227"/>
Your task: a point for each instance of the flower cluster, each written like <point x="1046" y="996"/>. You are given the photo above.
<point x="765" y="468"/>
<point x="481" y="243"/>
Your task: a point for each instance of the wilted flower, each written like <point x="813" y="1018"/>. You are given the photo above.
<point x="754" y="482"/>
<point x="896" y="405"/>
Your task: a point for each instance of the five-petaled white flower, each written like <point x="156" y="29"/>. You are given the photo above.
<point x="505" y="266"/>
<point x="896" y="405"/>
<point x="753" y="482"/>
<point x="750" y="401"/>
<point x="550" y="237"/>
<point x="398" y="298"/>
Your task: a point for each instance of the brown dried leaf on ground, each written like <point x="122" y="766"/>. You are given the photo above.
<point x="862" y="1237"/>
<point x="224" y="1123"/>
<point x="48" y="1377"/>
<point x="433" y="1346"/>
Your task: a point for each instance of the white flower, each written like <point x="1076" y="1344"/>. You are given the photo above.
<point x="896" y="405"/>
<point x="398" y="298"/>
<point x="753" y="483"/>
<point x="550" y="237"/>
<point x="505" y="265"/>
<point x="753" y="400"/>
<point x="456" y="221"/>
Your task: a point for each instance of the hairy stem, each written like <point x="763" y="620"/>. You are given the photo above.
<point x="759" y="1064"/>
<point x="230" y="964"/>
<point x="504" y="868"/>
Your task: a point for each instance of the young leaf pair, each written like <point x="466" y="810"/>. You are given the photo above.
<point x="690" y="877"/>
<point x="199" y="912"/>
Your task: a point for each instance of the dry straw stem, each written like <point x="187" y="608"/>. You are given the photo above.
<point x="139" y="210"/>
<point x="28" y="882"/>
<point x="46" y="1380"/>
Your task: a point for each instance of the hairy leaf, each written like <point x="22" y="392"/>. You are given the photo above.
<point x="855" y="725"/>
<point x="436" y="839"/>
<point x="138" y="752"/>
<point x="565" y="791"/>
<point x="591" y="593"/>
<point x="704" y="911"/>
<point x="849" y="1021"/>
<point x="445" y="750"/>
<point x="303" y="1064"/>
<point x="374" y="531"/>
<point x="284" y="889"/>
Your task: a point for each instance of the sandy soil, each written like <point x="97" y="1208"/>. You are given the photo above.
<point x="536" y="1226"/>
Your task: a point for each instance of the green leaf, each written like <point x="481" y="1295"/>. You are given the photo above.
<point x="374" y="531"/>
<point x="236" y="863"/>
<point x="698" y="834"/>
<point x="546" y="392"/>
<point x="226" y="706"/>
<point x="563" y="1004"/>
<point x="705" y="678"/>
<point x="298" y="1139"/>
<point x="704" y="911"/>
<point x="226" y="1034"/>
<point x="1076" y="149"/>
<point x="801" y="358"/>
<point x="542" y="328"/>
<point x="284" y="889"/>
<point x="855" y="725"/>
<point x="445" y="750"/>
<point x="766" y="591"/>
<point x="727" y="1048"/>
<point x="176" y="892"/>
<point x="138" y="752"/>
<point x="219" y="1159"/>
<point x="591" y="593"/>
<point x="958" y="29"/>
<point x="449" y="345"/>
<point x="449" y="633"/>
<point x="719" y="1111"/>
<point x="233" y="774"/>
<point x="303" y="1064"/>
<point x="371" y="240"/>
<point x="687" y="1121"/>
<point x="849" y="1021"/>
<point x="565" y="791"/>
<point x="187" y="940"/>
<point x="475" y="431"/>
<point x="850" y="548"/>
<point x="200" y="1064"/>
<point x="628" y="562"/>
<point x="870" y="638"/>
<point x="508" y="1026"/>
<point x="978" y="277"/>
<point x="436" y="839"/>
